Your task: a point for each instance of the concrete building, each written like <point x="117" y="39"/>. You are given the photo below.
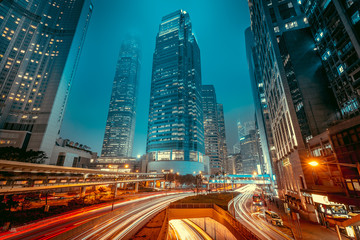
<point x="40" y="48"/>
<point x="262" y="115"/>
<point x="69" y="154"/>
<point x="12" y="138"/>
<point x="120" y="124"/>
<point x="334" y="190"/>
<point x="335" y="27"/>
<point x="294" y="88"/>
<point x="175" y="137"/>
<point x="118" y="164"/>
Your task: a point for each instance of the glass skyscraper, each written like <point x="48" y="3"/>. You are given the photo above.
<point x="211" y="128"/>
<point x="40" y="46"/>
<point x="120" y="125"/>
<point x="222" y="140"/>
<point x="175" y="131"/>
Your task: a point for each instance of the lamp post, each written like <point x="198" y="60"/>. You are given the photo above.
<point x="353" y="165"/>
<point x="166" y="172"/>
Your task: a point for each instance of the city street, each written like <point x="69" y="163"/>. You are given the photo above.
<point x="242" y="208"/>
<point x="134" y="212"/>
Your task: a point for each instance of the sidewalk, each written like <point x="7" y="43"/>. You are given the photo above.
<point x="309" y="230"/>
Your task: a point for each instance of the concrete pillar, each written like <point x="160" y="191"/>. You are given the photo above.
<point x="338" y="232"/>
<point x="154" y="184"/>
<point x="82" y="191"/>
<point x="136" y="187"/>
<point x="115" y="190"/>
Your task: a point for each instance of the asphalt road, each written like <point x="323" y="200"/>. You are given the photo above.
<point x="131" y="210"/>
<point x="242" y="208"/>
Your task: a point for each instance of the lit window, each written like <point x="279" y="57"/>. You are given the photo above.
<point x="340" y="69"/>
<point x="355" y="17"/>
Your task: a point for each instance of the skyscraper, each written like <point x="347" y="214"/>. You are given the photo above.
<point x="223" y="153"/>
<point x="211" y="128"/>
<point x="120" y="125"/>
<point x="294" y="90"/>
<point x="335" y="26"/>
<point x="175" y="131"/>
<point x="241" y="131"/>
<point x="40" y="47"/>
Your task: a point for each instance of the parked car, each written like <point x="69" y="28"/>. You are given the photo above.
<point x="273" y="218"/>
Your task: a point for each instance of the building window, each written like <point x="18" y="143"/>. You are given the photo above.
<point x="340" y="69"/>
<point x="326" y="55"/>
<point x="355" y="17"/>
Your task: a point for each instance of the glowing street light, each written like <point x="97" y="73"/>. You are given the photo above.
<point x="314" y="163"/>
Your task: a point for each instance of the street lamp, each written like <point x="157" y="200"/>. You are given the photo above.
<point x="314" y="163"/>
<point x="353" y="165"/>
<point x="167" y="172"/>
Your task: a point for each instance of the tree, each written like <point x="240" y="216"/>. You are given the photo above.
<point x="21" y="155"/>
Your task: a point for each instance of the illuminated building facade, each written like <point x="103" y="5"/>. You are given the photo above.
<point x="335" y="26"/>
<point x="40" y="46"/>
<point x="175" y="130"/>
<point x="120" y="125"/>
<point x="292" y="85"/>
<point x="211" y="128"/>
<point x="223" y="153"/>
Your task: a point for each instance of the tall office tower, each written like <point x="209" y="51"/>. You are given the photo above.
<point x="250" y="156"/>
<point x="241" y="131"/>
<point x="262" y="116"/>
<point x="40" y="48"/>
<point x="176" y="132"/>
<point x="222" y="140"/>
<point x="249" y="125"/>
<point x="294" y="88"/>
<point x="120" y="125"/>
<point x="211" y="128"/>
<point x="335" y="26"/>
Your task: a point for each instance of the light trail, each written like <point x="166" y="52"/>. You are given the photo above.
<point x="121" y="225"/>
<point x="184" y="231"/>
<point x="51" y="227"/>
<point x="252" y="221"/>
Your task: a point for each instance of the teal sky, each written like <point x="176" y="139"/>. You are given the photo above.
<point x="219" y="27"/>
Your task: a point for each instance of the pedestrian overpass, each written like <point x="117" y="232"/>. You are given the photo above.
<point x="241" y="179"/>
<point x="20" y="177"/>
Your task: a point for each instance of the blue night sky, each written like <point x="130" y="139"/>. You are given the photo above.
<point x="219" y="26"/>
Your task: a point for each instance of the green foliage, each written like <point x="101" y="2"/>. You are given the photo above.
<point x="186" y="179"/>
<point x="21" y="155"/>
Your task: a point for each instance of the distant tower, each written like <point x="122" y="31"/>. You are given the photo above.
<point x="175" y="132"/>
<point x="223" y="154"/>
<point x="120" y="125"/>
<point x="211" y="128"/>
<point x="240" y="130"/>
<point x="40" y="48"/>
